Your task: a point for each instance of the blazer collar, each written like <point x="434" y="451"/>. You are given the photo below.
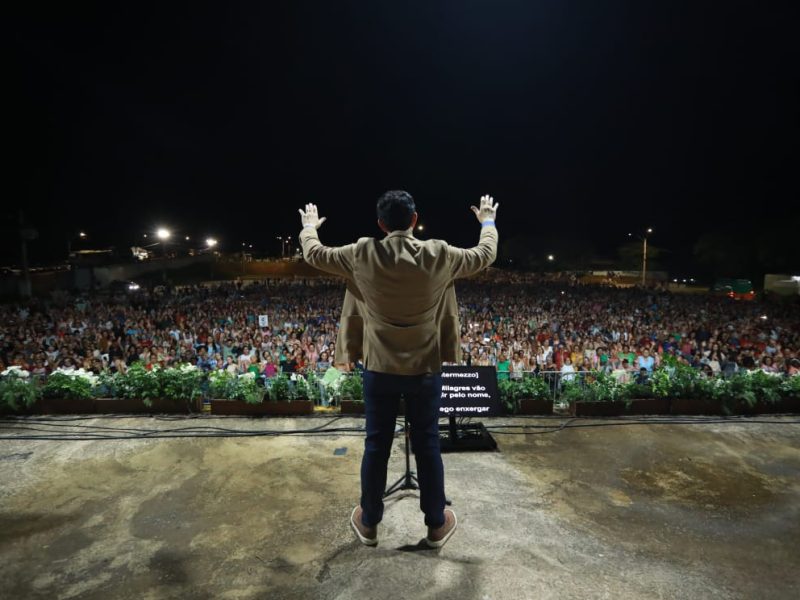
<point x="401" y="233"/>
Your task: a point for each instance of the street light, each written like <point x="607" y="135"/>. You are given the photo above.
<point x="550" y="257"/>
<point x="643" y="237"/>
<point x="163" y="234"/>
<point x="187" y="238"/>
<point x="70" y="237"/>
<point x="420" y="227"/>
<point x="211" y="242"/>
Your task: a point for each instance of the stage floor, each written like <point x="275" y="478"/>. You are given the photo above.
<point x="625" y="511"/>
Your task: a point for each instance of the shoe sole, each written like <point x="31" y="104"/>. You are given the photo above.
<point x="364" y="540"/>
<point x="441" y="542"/>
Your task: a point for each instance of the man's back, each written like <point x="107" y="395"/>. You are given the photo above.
<point x="400" y="311"/>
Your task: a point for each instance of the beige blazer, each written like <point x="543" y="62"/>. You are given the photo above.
<point x="400" y="313"/>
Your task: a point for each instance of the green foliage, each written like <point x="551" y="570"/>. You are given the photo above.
<point x="138" y="382"/>
<point x="307" y="388"/>
<point x="605" y="388"/>
<point x="676" y="380"/>
<point x="507" y="390"/>
<point x="280" y="390"/>
<point x="17" y="389"/>
<point x="109" y="385"/>
<point x="749" y="387"/>
<point x="351" y="388"/>
<point x="184" y="382"/>
<point x="227" y="386"/>
<point x="535" y="388"/>
<point x="637" y="391"/>
<point x="790" y="387"/>
<point x="70" y="384"/>
<point x="572" y="391"/>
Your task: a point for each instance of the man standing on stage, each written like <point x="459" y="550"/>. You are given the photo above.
<point x="400" y="317"/>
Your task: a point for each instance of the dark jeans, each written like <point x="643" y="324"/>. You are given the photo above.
<point x="422" y="395"/>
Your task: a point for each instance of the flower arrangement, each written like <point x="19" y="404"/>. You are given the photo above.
<point x="306" y="387"/>
<point x="280" y="389"/>
<point x="350" y="387"/>
<point x="184" y="382"/>
<point x="17" y="388"/>
<point x="71" y="384"/>
<point x="228" y="386"/>
<point x="139" y="382"/>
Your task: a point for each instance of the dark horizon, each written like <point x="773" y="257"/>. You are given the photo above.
<point x="585" y="122"/>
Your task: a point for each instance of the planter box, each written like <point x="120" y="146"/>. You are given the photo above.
<point x="649" y="406"/>
<point x="240" y="407"/>
<point x="784" y="405"/>
<point x="642" y="406"/>
<point x="61" y="406"/>
<point x="531" y="406"/>
<point x="696" y="406"/>
<point x="137" y="406"/>
<point x="352" y="407"/>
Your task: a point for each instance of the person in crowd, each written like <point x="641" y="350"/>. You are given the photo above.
<point x="503" y="367"/>
<point x="567" y="370"/>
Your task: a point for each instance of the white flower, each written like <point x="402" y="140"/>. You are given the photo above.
<point x="249" y="375"/>
<point x="16" y="371"/>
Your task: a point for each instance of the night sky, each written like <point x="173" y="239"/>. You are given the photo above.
<point x="585" y="120"/>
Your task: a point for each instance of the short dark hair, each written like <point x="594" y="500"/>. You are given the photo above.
<point x="396" y="209"/>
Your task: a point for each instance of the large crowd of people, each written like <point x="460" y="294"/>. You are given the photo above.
<point x="514" y="322"/>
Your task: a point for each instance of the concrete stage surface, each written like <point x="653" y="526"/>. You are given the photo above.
<point x="639" y="511"/>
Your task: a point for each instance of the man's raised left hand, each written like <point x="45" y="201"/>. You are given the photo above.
<point x="310" y="217"/>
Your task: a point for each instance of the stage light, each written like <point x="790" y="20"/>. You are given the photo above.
<point x="163" y="233"/>
<point x="211" y="242"/>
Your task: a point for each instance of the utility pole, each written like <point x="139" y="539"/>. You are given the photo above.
<point x="644" y="261"/>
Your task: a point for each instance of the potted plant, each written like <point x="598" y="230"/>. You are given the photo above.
<point x="533" y="396"/>
<point x="141" y="390"/>
<point x="181" y="387"/>
<point x="283" y="400"/>
<point x="69" y="391"/>
<point x="790" y="395"/>
<point x="571" y="393"/>
<point x="603" y="395"/>
<point x="350" y="393"/>
<point x="233" y="394"/>
<point x="643" y="401"/>
<point x="507" y="390"/>
<point x="18" y="391"/>
<point x="307" y="387"/>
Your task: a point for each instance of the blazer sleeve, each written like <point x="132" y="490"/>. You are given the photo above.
<point x="465" y="262"/>
<point x="336" y="260"/>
